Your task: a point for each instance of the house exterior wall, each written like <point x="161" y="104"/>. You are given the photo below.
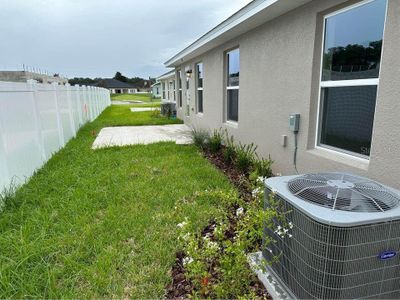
<point x="279" y="75"/>
<point x="156" y="91"/>
<point x="170" y="93"/>
<point x="122" y="91"/>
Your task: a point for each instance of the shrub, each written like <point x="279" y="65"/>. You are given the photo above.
<point x="200" y="138"/>
<point x="230" y="148"/>
<point x="155" y="113"/>
<point x="245" y="157"/>
<point x="215" y="141"/>
<point x="262" y="168"/>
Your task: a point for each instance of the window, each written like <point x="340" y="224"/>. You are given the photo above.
<point x="351" y="57"/>
<point x="179" y="75"/>
<point x="232" y="85"/>
<point x="170" y="89"/>
<point x="174" y="88"/>
<point x="199" y="87"/>
<point x="163" y="90"/>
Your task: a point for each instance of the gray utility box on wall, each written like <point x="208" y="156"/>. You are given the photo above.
<point x="340" y="239"/>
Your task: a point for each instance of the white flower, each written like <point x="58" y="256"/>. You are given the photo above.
<point x="290" y="236"/>
<point x="186" y="236"/>
<point x="181" y="225"/>
<point x="256" y="192"/>
<point x="239" y="211"/>
<point x="290" y="225"/>
<point x="261" y="179"/>
<point x="187" y="260"/>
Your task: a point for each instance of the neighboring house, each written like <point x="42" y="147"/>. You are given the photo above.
<point x="117" y="87"/>
<point x="144" y="85"/>
<point x="156" y="90"/>
<point x="321" y="59"/>
<point x="168" y="86"/>
<point x="24" y="76"/>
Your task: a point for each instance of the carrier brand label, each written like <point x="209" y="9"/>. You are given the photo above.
<point x="387" y="255"/>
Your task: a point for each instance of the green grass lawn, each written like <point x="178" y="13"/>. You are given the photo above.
<point x="135" y="97"/>
<point x="102" y="224"/>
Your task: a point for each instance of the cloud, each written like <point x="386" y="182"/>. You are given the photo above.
<point x="96" y="38"/>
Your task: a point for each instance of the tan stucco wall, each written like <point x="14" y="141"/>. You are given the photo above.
<point x="279" y="72"/>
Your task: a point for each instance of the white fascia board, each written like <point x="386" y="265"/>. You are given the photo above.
<point x="166" y="75"/>
<point x="251" y="16"/>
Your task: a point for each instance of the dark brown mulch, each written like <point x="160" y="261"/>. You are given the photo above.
<point x="179" y="287"/>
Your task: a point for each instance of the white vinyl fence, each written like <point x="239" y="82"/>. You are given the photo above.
<point x="36" y="120"/>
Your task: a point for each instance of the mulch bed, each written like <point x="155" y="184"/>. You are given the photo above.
<point x="180" y="288"/>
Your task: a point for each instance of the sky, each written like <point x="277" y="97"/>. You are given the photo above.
<point x="96" y="38"/>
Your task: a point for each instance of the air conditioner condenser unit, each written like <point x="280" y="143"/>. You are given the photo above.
<point x="339" y="239"/>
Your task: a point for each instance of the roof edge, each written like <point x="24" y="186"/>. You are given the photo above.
<point x="244" y="13"/>
<point x="251" y="16"/>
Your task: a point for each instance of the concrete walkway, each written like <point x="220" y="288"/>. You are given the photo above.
<point x="138" y="109"/>
<point x="125" y="102"/>
<point x="133" y="135"/>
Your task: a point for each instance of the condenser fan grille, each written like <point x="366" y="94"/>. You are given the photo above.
<point x="343" y="192"/>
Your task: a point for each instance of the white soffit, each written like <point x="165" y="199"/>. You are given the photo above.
<point x="166" y="75"/>
<point x="251" y="16"/>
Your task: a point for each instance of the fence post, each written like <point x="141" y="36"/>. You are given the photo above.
<point x="58" y="115"/>
<point x="78" y="104"/>
<point x="33" y="87"/>
<point x="71" y="110"/>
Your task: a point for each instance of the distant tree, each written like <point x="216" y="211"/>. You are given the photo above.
<point x="120" y="77"/>
<point x="83" y="81"/>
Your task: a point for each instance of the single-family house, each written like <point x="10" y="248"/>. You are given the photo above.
<point x="156" y="90"/>
<point x="330" y="67"/>
<point x="117" y="87"/>
<point x="168" y="86"/>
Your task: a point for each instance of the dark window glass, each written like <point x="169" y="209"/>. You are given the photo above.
<point x="200" y="76"/>
<point x="179" y="79"/>
<point x="200" y="101"/>
<point x="180" y="98"/>
<point x="353" y="42"/>
<point x="233" y="66"/>
<point x="233" y="104"/>
<point x="348" y="117"/>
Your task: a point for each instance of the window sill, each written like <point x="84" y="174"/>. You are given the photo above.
<point x="347" y="159"/>
<point x="200" y="115"/>
<point x="232" y="124"/>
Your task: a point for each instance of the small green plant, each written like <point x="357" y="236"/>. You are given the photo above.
<point x="200" y="138"/>
<point x="262" y="168"/>
<point x="245" y="157"/>
<point x="155" y="113"/>
<point x="215" y="142"/>
<point x="230" y="148"/>
<point x="7" y="195"/>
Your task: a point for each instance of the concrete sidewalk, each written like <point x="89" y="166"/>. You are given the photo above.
<point x="139" y="109"/>
<point x="133" y="135"/>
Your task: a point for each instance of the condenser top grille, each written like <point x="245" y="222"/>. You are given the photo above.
<point x="343" y="192"/>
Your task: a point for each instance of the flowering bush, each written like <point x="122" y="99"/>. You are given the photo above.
<point x="216" y="257"/>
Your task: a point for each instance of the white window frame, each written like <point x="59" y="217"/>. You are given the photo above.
<point x="199" y="88"/>
<point x="179" y="83"/>
<point x="227" y="88"/>
<point x="163" y="90"/>
<point x="342" y="83"/>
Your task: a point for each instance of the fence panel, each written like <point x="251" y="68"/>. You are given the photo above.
<point x="36" y="120"/>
